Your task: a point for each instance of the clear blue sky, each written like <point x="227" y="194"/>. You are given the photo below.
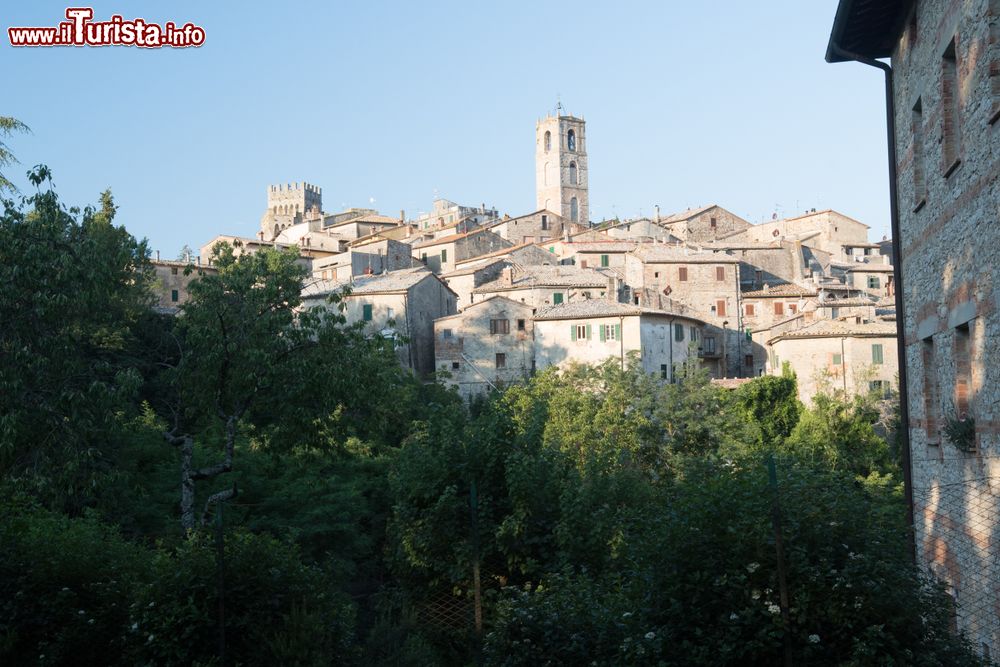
<point x="686" y="104"/>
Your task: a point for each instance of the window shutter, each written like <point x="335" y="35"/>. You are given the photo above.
<point x="601" y="333"/>
<point x="618" y="332"/>
<point x="877" y="354"/>
<point x="572" y="332"/>
<point x="589" y="337"/>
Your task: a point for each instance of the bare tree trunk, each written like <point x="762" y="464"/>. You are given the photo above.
<point x="189" y="474"/>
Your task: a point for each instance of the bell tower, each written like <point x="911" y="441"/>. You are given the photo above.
<point x="561" y="167"/>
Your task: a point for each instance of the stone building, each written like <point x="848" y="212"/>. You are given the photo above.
<point x="593" y="331"/>
<point x="945" y="106"/>
<point x="401" y="306"/>
<point x="638" y="229"/>
<point x="377" y="255"/>
<point x="837" y="355"/>
<point x="531" y="228"/>
<point x="702" y="284"/>
<point x="489" y="344"/>
<point x="873" y="279"/>
<point x="705" y="223"/>
<point x="288" y="205"/>
<point x="541" y="286"/>
<point x="825" y="230"/>
<point x="561" y="172"/>
<point x="446" y="213"/>
<point x="471" y="275"/>
<point x="441" y="254"/>
<point x="526" y="254"/>
<point x="596" y="254"/>
<point x="172" y="283"/>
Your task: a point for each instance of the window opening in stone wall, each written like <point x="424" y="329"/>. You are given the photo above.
<point x="919" y="183"/>
<point x="571" y="141"/>
<point x="950" y="109"/>
<point x="963" y="370"/>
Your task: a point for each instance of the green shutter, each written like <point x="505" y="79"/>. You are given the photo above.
<point x="837" y="360"/>
<point x="557" y="298"/>
<point x="604" y="260"/>
<point x="618" y="332"/>
<point x="589" y="337"/>
<point x="877" y="354"/>
<point x="444" y="254"/>
<point x="366" y="312"/>
<point x="678" y="332"/>
<point x="601" y="333"/>
<point x="572" y="332"/>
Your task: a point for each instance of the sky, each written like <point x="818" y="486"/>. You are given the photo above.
<point x="390" y="104"/>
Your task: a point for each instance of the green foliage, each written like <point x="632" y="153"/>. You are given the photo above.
<point x="771" y="402"/>
<point x="74" y="289"/>
<point x="961" y="432"/>
<point x="8" y="126"/>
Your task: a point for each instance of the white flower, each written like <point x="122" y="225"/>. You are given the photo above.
<point x="91" y="621"/>
<point x="755" y="595"/>
<point x="733" y="616"/>
<point x="752" y="567"/>
<point x="135" y="626"/>
<point x="80" y="612"/>
<point x="151" y="604"/>
<point x="627" y="614"/>
<point x="150" y="638"/>
<point x="773" y="608"/>
<point x="813" y="639"/>
<point x="650" y="635"/>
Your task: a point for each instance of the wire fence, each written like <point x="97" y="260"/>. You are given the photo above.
<point x="956" y="503"/>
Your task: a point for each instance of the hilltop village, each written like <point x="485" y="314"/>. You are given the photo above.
<point x="481" y="299"/>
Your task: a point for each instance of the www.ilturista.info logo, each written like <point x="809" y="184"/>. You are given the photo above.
<point x="79" y="30"/>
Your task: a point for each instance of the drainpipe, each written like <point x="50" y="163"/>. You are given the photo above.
<point x="897" y="274"/>
<point x="670" y="340"/>
<point x="621" y="338"/>
<point x="739" y="325"/>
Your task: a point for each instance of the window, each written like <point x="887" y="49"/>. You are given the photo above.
<point x="834" y="312"/>
<point x="446" y="334"/>
<point x="574" y="210"/>
<point x="793" y="308"/>
<point x="873" y="282"/>
<point x="366" y="312"/>
<point x="548" y="141"/>
<point x="879" y="387"/>
<point x="579" y="332"/>
<point x="950" y="103"/>
<point x="572" y="174"/>
<point x="694" y="333"/>
<point x="173" y="270"/>
<point x="501" y="360"/>
<point x="423" y="257"/>
<point x="963" y="370"/>
<point x="604" y="260"/>
<point x="520" y="325"/>
<point x="720" y="307"/>
<point x="720" y="273"/>
<point x="711" y="222"/>
<point x="571" y="141"/>
<point x="454" y="365"/>
<point x="390" y="313"/>
<point x="499" y="326"/>
<point x="174" y="296"/>
<point x="678" y="333"/>
<point x="656" y="274"/>
<point x="545" y="222"/>
<point x="932" y="404"/>
<point x="837" y="360"/>
<point x="557" y="298"/>
<point x="609" y="331"/>
<point x="877" y="354"/>
<point x="758" y="277"/>
<point x="444" y="255"/>
<point x="749" y="310"/>
<point x="848" y="250"/>
<point x="682" y="274"/>
<point x="709" y="345"/>
<point x="748" y="360"/>
<point x="663" y="371"/>
<point x="779" y="308"/>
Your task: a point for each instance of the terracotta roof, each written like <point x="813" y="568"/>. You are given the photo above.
<point x="451" y="238"/>
<point x="870" y="268"/>
<point x="730" y="383"/>
<point x="847" y="303"/>
<point x="497" y="253"/>
<point x="779" y="290"/>
<point x="478" y="266"/>
<point x="601" y="246"/>
<point x="685" y="215"/>
<point x="583" y="308"/>
<point x="547" y="276"/>
<point x="472" y="306"/>
<point x="384" y="283"/>
<point x="665" y="254"/>
<point x="840" y="328"/>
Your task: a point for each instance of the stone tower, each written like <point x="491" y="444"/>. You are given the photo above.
<point x="561" y="167"/>
<point x="289" y="205"/>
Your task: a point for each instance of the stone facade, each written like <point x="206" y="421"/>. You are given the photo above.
<point x="541" y="286"/>
<point x="440" y="255"/>
<point x="173" y="281"/>
<point x="591" y="332"/>
<point x="561" y="172"/>
<point x="289" y="204"/>
<point x="531" y="228"/>
<point x="371" y="258"/>
<point x="489" y="344"/>
<point x="401" y="305"/>
<point x="706" y="223"/>
<point x="946" y="76"/>
<point x="827" y="355"/>
<point x="826" y="230"/>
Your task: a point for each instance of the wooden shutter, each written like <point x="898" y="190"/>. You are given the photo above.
<point x="572" y="332"/>
<point x="601" y="332"/>
<point x="588" y="333"/>
<point x="618" y="332"/>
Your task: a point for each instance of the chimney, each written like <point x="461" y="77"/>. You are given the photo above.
<point x="157" y="255"/>
<point x="402" y="216"/>
<point x="657" y="212"/>
<point x="507" y="276"/>
<point x="767" y="288"/>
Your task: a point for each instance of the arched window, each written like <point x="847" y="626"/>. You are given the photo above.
<point x="571" y="141"/>
<point x="572" y="174"/>
<point x="574" y="210"/>
<point x="548" y="141"/>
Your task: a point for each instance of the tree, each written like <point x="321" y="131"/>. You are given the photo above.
<point x="772" y="403"/>
<point x="75" y="288"/>
<point x="251" y="357"/>
<point x="8" y="126"/>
